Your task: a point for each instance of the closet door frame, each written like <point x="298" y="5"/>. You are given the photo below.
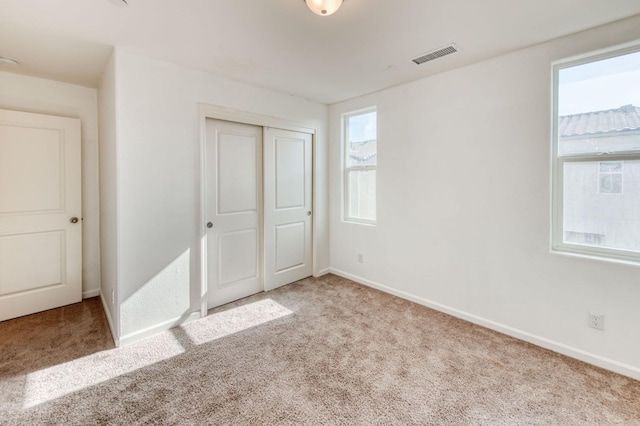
<point x="206" y="111"/>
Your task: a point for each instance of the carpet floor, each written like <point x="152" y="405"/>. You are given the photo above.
<point x="322" y="351"/>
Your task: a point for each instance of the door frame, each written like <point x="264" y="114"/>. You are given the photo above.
<point x="216" y="112"/>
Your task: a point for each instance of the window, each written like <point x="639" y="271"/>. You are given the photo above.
<point x="596" y="164"/>
<point x="360" y="161"/>
<point x="610" y="177"/>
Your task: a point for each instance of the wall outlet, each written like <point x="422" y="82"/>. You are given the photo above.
<point x="596" y="320"/>
<point x="113" y="296"/>
<point x="360" y="258"/>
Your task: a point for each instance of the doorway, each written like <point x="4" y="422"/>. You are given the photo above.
<point x="257" y="209"/>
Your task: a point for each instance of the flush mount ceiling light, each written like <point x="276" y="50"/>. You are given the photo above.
<point x="119" y="2"/>
<point x="8" y="61"/>
<point x="323" y="7"/>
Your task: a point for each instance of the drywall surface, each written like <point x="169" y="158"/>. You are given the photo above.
<point x="158" y="143"/>
<point x="30" y="94"/>
<point x="108" y="191"/>
<point x="464" y="206"/>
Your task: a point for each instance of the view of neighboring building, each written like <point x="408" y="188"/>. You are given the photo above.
<point x="602" y="198"/>
<point x="363" y="183"/>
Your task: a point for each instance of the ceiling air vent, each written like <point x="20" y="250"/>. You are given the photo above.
<point x="435" y="54"/>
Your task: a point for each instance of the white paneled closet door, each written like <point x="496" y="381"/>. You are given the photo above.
<point x="287" y="206"/>
<point x="233" y="182"/>
<point x="258" y="184"/>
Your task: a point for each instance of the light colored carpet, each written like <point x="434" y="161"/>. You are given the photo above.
<point x="321" y="351"/>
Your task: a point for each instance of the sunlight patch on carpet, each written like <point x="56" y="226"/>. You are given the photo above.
<point x="54" y="382"/>
<point x="234" y="320"/>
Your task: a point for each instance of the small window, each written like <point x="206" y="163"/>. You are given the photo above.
<point x="360" y="162"/>
<point x="596" y="164"/>
<point x="610" y="177"/>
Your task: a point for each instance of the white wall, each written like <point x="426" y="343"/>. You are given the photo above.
<point x="29" y="94"/>
<point x="158" y="141"/>
<point x="108" y="192"/>
<point x="464" y="207"/>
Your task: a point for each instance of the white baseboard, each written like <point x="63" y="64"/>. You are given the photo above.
<point x="90" y="293"/>
<point x="107" y="313"/>
<point x="599" y="361"/>
<point x="322" y="272"/>
<point x="154" y="329"/>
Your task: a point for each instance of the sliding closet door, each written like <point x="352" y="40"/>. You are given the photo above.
<point x="287" y="206"/>
<point x="233" y="182"/>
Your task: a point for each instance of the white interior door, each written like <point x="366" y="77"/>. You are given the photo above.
<point x="233" y="174"/>
<point x="287" y="206"/>
<point x="40" y="211"/>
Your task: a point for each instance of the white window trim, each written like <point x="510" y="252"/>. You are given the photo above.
<point x="346" y="169"/>
<point x="557" y="166"/>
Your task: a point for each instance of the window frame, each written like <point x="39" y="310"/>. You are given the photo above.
<point x="346" y="169"/>
<point x="558" y="245"/>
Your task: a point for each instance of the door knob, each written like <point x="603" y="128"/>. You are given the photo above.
<point x="73" y="220"/>
<point x="309" y="213"/>
<point x="209" y="225"/>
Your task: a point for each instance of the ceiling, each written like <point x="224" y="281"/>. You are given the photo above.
<point x="281" y="45"/>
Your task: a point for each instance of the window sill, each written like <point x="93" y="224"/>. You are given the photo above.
<point x="576" y="253"/>
<point x="360" y="222"/>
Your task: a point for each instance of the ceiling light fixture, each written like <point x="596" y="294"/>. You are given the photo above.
<point x="119" y="2"/>
<point x="8" y="61"/>
<point x="323" y="7"/>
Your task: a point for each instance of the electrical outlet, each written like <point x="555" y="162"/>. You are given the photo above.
<point x="360" y="258"/>
<point x="113" y="296"/>
<point x="596" y="320"/>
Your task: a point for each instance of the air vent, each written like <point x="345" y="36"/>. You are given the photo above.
<point x="435" y="54"/>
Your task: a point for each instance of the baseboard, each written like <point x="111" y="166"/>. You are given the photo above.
<point x="322" y="272"/>
<point x="107" y="313"/>
<point x="90" y="293"/>
<point x="599" y="361"/>
<point x="158" y="328"/>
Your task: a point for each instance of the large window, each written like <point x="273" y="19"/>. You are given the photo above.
<point x="360" y="161"/>
<point x="596" y="170"/>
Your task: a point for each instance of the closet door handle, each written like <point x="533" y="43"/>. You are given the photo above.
<point x="209" y="225"/>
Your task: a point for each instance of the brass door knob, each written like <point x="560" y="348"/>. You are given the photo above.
<point x="73" y="220"/>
